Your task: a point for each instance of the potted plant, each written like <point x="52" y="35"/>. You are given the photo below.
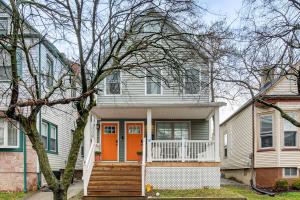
<point x="140" y="155"/>
<point x="97" y="155"/>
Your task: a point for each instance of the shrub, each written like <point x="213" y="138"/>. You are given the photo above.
<point x="281" y="185"/>
<point x="296" y="184"/>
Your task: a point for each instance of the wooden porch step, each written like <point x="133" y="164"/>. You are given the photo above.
<point x="114" y="187"/>
<point x="115" y="168"/>
<point x="122" y="182"/>
<point x="115" y="178"/>
<point x="92" y="197"/>
<point x="116" y="173"/>
<point x="115" y="193"/>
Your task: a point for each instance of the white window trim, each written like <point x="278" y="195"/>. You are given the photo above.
<point x="110" y="95"/>
<point x="198" y="94"/>
<point x="259" y="135"/>
<point x="284" y="176"/>
<point x="297" y="133"/>
<point x="5" y="146"/>
<point x="161" y="83"/>
<point x="225" y="146"/>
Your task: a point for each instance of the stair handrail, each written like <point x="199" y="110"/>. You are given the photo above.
<point x="143" y="166"/>
<point x="88" y="165"/>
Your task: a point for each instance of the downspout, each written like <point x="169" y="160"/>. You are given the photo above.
<point x="24" y="161"/>
<point x="40" y="118"/>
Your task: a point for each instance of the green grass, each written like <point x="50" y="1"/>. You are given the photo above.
<point x="11" y="195"/>
<point x="228" y="192"/>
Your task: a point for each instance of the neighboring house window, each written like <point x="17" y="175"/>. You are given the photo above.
<point x="5" y="66"/>
<point x="113" y="83"/>
<point x="290" y="132"/>
<point x="3" y="26"/>
<point x="9" y="134"/>
<point x="266" y="131"/>
<point x="290" y="172"/>
<point x="49" y="136"/>
<point x="153" y="81"/>
<point x="192" y="81"/>
<point x="82" y="150"/>
<point x="49" y="76"/>
<point x="172" y="130"/>
<point x="225" y="145"/>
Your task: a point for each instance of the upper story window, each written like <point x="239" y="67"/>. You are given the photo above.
<point x="113" y="83"/>
<point x="49" y="136"/>
<point x="3" y="25"/>
<point x="172" y="130"/>
<point x="290" y="132"/>
<point x="192" y="81"/>
<point x="9" y="134"/>
<point x="5" y="66"/>
<point x="225" y="145"/>
<point x="153" y="81"/>
<point x="49" y="76"/>
<point x="266" y="131"/>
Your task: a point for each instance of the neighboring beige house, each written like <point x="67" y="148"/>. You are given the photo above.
<point x="261" y="131"/>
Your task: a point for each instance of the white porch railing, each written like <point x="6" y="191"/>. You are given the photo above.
<point x="143" y="166"/>
<point x="182" y="150"/>
<point x="88" y="167"/>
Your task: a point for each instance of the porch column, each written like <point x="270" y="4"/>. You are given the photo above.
<point x="149" y="134"/>
<point x="217" y="135"/>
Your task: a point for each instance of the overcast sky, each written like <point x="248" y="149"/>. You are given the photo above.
<point x="221" y="9"/>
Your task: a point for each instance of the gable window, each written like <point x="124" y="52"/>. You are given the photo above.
<point x="49" y="136"/>
<point x="290" y="132"/>
<point x="49" y="76"/>
<point x="172" y="130"/>
<point x="192" y="81"/>
<point x="153" y="81"/>
<point x="113" y="83"/>
<point x="225" y="145"/>
<point x="5" y="66"/>
<point x="3" y="25"/>
<point x="266" y="131"/>
<point x="290" y="172"/>
<point x="9" y="134"/>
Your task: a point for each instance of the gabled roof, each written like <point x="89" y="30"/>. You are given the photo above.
<point x="46" y="42"/>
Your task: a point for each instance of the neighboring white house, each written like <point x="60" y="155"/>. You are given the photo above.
<point x="19" y="163"/>
<point x="257" y="143"/>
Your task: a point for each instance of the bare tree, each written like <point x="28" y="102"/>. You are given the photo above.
<point x="103" y="37"/>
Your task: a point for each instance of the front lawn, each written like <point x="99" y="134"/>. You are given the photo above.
<point x="228" y="192"/>
<point x="11" y="195"/>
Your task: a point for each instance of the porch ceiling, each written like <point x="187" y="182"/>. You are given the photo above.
<point x="194" y="111"/>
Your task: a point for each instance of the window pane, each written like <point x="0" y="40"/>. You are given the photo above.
<point x="1" y="132"/>
<point x="135" y="129"/>
<point x="153" y="81"/>
<point x="12" y="139"/>
<point x="113" y="83"/>
<point x="181" y="130"/>
<point x="44" y="133"/>
<point x="266" y="141"/>
<point x="290" y="138"/>
<point x="192" y="81"/>
<point x="53" y="132"/>
<point x="290" y="171"/>
<point x="164" y="131"/>
<point x="3" y="25"/>
<point x="52" y="144"/>
<point x="266" y="125"/>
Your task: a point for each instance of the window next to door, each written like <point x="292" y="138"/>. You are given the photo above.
<point x="172" y="130"/>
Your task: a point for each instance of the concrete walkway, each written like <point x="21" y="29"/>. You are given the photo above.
<point x="225" y="182"/>
<point x="73" y="190"/>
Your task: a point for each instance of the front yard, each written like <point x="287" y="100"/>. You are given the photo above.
<point x="11" y="195"/>
<point x="228" y="192"/>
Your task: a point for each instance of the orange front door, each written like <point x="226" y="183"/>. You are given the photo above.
<point x="109" y="141"/>
<point x="134" y="140"/>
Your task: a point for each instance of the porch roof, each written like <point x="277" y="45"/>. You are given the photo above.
<point x="159" y="111"/>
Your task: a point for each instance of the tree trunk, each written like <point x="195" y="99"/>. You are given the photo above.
<point x="60" y="194"/>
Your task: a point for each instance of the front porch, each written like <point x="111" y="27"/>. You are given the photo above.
<point x="179" y="143"/>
